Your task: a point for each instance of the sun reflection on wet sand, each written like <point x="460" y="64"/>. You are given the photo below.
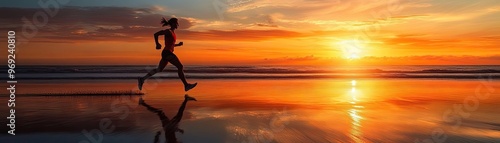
<point x="337" y="110"/>
<point x="356" y="132"/>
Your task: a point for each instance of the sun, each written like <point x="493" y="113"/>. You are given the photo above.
<point x="351" y="49"/>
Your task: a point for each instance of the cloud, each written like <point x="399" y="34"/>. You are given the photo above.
<point x="269" y="20"/>
<point x="409" y="17"/>
<point x="322" y="14"/>
<point x="434" y="60"/>
<point x="243" y="34"/>
<point x="92" y="23"/>
<point x="291" y="60"/>
<point x="266" y="25"/>
<point x="462" y="16"/>
<point x="79" y="24"/>
<point x="418" y="39"/>
<point x="312" y="9"/>
<point x="115" y="16"/>
<point x="431" y="41"/>
<point x="496" y="37"/>
<point x="386" y="60"/>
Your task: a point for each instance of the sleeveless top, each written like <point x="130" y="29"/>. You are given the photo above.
<point x="170" y="39"/>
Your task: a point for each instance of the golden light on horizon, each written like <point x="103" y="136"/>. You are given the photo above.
<point x="351" y="49"/>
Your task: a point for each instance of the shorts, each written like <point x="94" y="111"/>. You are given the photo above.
<point x="167" y="55"/>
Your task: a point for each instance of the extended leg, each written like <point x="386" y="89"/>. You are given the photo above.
<point x="163" y="63"/>
<point x="158" y="112"/>
<point x="178" y="117"/>
<point x="160" y="68"/>
<point x="180" y="71"/>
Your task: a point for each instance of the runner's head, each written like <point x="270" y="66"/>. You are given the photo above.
<point x="172" y="22"/>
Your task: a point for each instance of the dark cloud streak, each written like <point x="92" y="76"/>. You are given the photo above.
<point x="80" y="24"/>
<point x="90" y="23"/>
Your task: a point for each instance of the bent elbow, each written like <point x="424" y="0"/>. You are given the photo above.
<point x="157" y="34"/>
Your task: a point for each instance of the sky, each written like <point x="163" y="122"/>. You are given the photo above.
<point x="257" y="32"/>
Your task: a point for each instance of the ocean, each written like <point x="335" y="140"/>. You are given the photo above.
<point x="242" y="104"/>
<point x="255" y="72"/>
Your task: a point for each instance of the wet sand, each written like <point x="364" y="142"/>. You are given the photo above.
<point x="264" y="110"/>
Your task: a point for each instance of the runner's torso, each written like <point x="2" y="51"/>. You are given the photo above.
<point x="170" y="39"/>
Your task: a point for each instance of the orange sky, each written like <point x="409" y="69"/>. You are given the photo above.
<point x="262" y="32"/>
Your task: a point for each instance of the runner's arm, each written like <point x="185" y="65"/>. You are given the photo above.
<point x="161" y="32"/>
<point x="180" y="44"/>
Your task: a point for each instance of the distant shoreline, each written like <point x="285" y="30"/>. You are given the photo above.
<point x="256" y="72"/>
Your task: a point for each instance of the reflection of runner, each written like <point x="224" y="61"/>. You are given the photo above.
<point x="170" y="126"/>
<point x="167" y="55"/>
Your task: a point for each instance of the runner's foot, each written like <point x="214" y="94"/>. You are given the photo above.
<point x="187" y="97"/>
<point x="140" y="82"/>
<point x="141" y="101"/>
<point x="189" y="86"/>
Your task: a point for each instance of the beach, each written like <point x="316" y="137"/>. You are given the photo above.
<point x="263" y="110"/>
<point x="250" y="71"/>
